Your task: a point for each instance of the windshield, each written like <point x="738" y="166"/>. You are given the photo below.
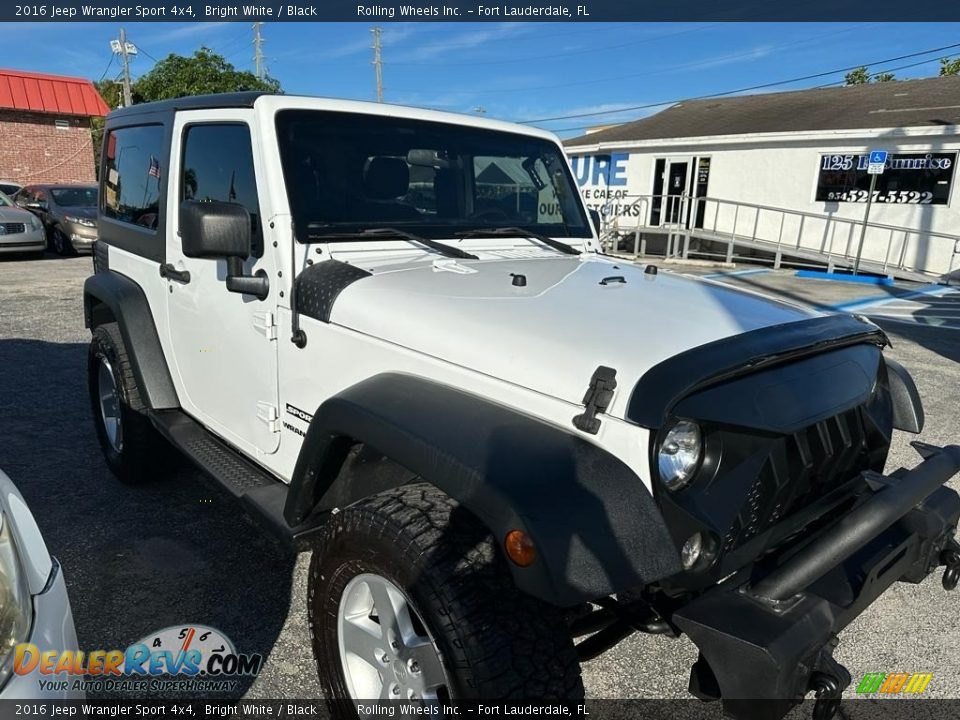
<point x="349" y="172"/>
<point x="75" y="197"/>
<point x="5" y="201"/>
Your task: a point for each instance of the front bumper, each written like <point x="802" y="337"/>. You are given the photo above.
<point x="766" y="639"/>
<point x="25" y="242"/>
<point x="82" y="237"/>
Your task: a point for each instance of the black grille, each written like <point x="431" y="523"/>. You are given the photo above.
<point x="797" y="470"/>
<point x="13" y="228"/>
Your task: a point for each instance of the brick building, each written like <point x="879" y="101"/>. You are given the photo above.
<point x="45" y="127"/>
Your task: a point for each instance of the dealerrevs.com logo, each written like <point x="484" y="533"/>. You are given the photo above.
<point x="180" y="657"/>
<point x="898" y="683"/>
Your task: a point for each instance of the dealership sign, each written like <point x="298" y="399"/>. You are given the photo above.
<point x="602" y="180"/>
<point x="907" y="178"/>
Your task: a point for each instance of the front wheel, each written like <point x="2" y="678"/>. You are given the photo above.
<point x="410" y="598"/>
<point x="61" y="243"/>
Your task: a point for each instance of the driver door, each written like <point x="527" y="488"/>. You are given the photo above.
<point x="224" y="343"/>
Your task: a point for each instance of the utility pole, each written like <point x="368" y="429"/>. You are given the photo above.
<point x="125" y="50"/>
<point x="258" y="50"/>
<point x="377" y="61"/>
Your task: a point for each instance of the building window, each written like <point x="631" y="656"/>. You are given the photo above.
<point x="133" y="171"/>
<point x="218" y="165"/>
<point x="909" y="178"/>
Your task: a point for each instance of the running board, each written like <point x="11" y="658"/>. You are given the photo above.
<point x="261" y="494"/>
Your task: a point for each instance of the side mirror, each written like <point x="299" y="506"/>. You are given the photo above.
<point x="222" y="230"/>
<point x="215" y="230"/>
<point x="597" y="222"/>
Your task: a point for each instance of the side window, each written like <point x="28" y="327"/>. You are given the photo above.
<point x="218" y="165"/>
<point x="40" y="197"/>
<point x="132" y="175"/>
<point x="24" y="196"/>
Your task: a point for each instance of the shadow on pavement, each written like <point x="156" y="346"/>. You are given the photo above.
<point x="136" y="558"/>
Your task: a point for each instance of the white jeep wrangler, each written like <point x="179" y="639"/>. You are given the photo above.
<point x="391" y="331"/>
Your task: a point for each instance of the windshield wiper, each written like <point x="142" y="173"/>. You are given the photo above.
<point x="388" y="232"/>
<point x="545" y="239"/>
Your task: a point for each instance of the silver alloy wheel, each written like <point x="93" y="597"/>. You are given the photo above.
<point x="386" y="651"/>
<point x="109" y="405"/>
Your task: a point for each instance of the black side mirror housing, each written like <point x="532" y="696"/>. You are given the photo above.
<point x="215" y="230"/>
<point x="222" y="230"/>
<point x="597" y="222"/>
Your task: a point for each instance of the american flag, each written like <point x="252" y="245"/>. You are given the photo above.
<point x="154" y="170"/>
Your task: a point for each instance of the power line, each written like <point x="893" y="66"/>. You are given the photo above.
<point x="839" y="83"/>
<point x="109" y="65"/>
<point x="739" y="90"/>
<point x="661" y="71"/>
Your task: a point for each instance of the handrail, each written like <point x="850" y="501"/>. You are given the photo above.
<point x="677" y="215"/>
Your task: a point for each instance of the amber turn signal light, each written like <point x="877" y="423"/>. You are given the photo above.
<point x="520" y="548"/>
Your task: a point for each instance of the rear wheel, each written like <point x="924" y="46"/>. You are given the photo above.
<point x="410" y="597"/>
<point x="132" y="447"/>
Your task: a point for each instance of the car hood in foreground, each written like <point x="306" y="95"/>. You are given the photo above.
<point x="550" y="330"/>
<point x="14" y="215"/>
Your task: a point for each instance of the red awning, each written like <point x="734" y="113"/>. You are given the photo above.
<point x="35" y="92"/>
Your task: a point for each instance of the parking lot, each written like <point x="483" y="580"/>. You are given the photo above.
<point x="138" y="559"/>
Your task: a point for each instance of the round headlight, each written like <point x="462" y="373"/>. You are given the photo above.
<point x="679" y="455"/>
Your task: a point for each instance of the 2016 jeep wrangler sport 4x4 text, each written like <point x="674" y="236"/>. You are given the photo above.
<point x="390" y="330"/>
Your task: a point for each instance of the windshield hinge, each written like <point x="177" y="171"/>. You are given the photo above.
<point x="597" y="399"/>
<point x="267" y="414"/>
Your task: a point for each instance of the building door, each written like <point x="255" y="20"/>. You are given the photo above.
<point x="676" y="188"/>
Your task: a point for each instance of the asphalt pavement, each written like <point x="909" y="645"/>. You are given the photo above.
<point x="138" y="559"/>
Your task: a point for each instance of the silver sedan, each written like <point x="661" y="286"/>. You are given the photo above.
<point x="20" y="231"/>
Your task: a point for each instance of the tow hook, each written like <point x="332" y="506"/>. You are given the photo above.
<point x="827" y="690"/>
<point x="950" y="557"/>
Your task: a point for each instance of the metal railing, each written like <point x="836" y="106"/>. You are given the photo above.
<point x="821" y="239"/>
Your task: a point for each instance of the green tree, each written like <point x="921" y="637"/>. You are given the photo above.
<point x="862" y="76"/>
<point x="203" y="73"/>
<point x="950" y="66"/>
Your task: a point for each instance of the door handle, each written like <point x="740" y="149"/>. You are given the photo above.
<point x="167" y="270"/>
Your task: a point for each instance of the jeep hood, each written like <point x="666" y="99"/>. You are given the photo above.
<point x="547" y="324"/>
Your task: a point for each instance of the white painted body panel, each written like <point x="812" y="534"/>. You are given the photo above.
<point x="458" y="323"/>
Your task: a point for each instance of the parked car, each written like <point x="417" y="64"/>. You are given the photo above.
<point x="9" y="187"/>
<point x="20" y="231"/>
<point x="68" y="212"/>
<point x="34" y="607"/>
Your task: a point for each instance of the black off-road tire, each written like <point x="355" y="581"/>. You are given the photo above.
<point x="496" y="641"/>
<point x="144" y="454"/>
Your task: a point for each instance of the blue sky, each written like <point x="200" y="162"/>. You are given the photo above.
<point x="515" y="71"/>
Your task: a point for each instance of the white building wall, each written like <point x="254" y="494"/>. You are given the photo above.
<point x="780" y="171"/>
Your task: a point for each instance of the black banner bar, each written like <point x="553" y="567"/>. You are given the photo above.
<point x="386" y="11"/>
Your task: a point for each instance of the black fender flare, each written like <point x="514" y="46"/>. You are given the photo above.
<point x="596" y="527"/>
<point x="904" y="397"/>
<point x="128" y="306"/>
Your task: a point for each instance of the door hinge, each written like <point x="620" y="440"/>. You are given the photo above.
<point x="265" y="324"/>
<point x="269" y="415"/>
<point x="597" y="399"/>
